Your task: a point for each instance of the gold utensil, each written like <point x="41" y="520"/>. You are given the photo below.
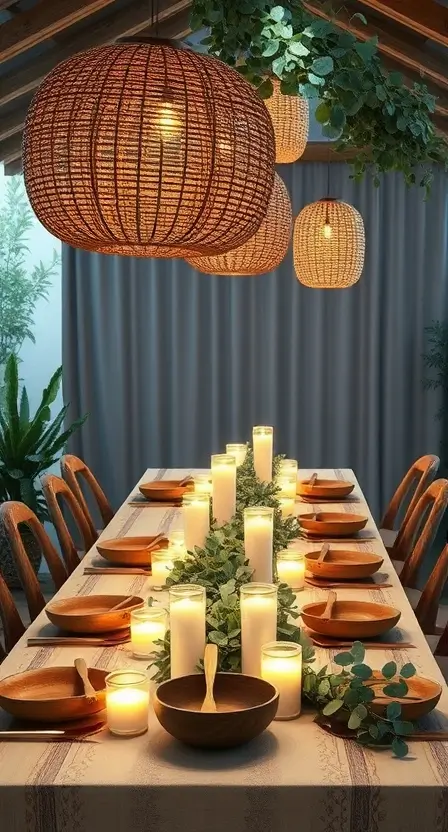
<point x="185" y="480"/>
<point x="331" y="600"/>
<point x="83" y="672"/>
<point x="210" y="665"/>
<point x="312" y="479"/>
<point x="116" y="570"/>
<point x="122" y="604"/>
<point x="323" y="552"/>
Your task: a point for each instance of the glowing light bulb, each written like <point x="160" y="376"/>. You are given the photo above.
<point x="167" y="121"/>
<point x="327" y="231"/>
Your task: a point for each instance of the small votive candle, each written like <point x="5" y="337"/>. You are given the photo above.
<point x="162" y="563"/>
<point x="196" y="516"/>
<point x="258" y="541"/>
<point x="258" y="623"/>
<point x="238" y="450"/>
<point x="148" y="625"/>
<point x="291" y="568"/>
<point x="176" y="543"/>
<point x="187" y="628"/>
<point x="287" y="485"/>
<point x="224" y="487"/>
<point x="203" y="484"/>
<point x="262" y="438"/>
<point x="127" y="702"/>
<point x="288" y="468"/>
<point x="287" y="505"/>
<point x="281" y="665"/>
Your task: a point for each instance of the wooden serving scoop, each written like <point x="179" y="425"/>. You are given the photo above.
<point x="312" y="480"/>
<point x="210" y="665"/>
<point x="89" y="690"/>
<point x="331" y="600"/>
<point x="323" y="552"/>
<point x="154" y="542"/>
<point x="185" y="481"/>
<point x="122" y="604"/>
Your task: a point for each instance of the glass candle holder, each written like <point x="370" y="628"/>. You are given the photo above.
<point x="162" y="563"/>
<point x="127" y="702"/>
<point x="203" y="483"/>
<point x="281" y="665"/>
<point x="288" y="468"/>
<point x="176" y="538"/>
<point x="287" y="505"/>
<point x="187" y="628"/>
<point x="148" y="625"/>
<point x="291" y="568"/>
<point x="262" y="438"/>
<point x="224" y="487"/>
<point x="258" y="541"/>
<point x="258" y="623"/>
<point x="196" y="517"/>
<point x="287" y="485"/>
<point x="238" y="450"/>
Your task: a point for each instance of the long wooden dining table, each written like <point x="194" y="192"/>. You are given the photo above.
<point x="295" y="776"/>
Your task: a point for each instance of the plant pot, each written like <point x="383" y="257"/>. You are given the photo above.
<point x="7" y="563"/>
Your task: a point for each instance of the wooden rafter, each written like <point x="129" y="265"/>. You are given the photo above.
<point x="173" y="21"/>
<point x="325" y="152"/>
<point x="13" y="168"/>
<point x="424" y="16"/>
<point x="14" y="122"/>
<point x="11" y="148"/>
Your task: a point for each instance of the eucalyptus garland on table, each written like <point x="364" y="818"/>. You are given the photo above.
<point x="362" y="105"/>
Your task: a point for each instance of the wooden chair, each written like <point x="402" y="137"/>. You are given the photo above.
<point x="420" y="476"/>
<point x="414" y="540"/>
<point x="12" y="514"/>
<point x="431" y="617"/>
<point x="54" y="488"/>
<point x="12" y="624"/>
<point x="72" y="467"/>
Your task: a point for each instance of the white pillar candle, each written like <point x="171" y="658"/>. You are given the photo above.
<point x="281" y="665"/>
<point x="127" y="702"/>
<point x="287" y="505"/>
<point x="224" y="487"/>
<point x="291" y="568"/>
<point x="288" y="468"/>
<point x="262" y="437"/>
<point x="148" y="625"/>
<point x="258" y="623"/>
<point x="196" y="516"/>
<point x="238" y="450"/>
<point x="258" y="541"/>
<point x="187" y="628"/>
<point x="203" y="484"/>
<point x="287" y="486"/>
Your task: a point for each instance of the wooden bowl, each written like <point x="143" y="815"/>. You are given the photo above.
<point x="427" y="691"/>
<point x="165" y="490"/>
<point x="52" y="694"/>
<point x="330" y="489"/>
<point x="332" y="523"/>
<point x="90" y="613"/>
<point x="129" y="551"/>
<point x="246" y="706"/>
<point x="344" y="564"/>
<point x="351" y="619"/>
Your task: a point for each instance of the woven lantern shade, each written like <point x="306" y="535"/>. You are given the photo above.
<point x="265" y="250"/>
<point x="145" y="148"/>
<point x="290" y="116"/>
<point x="328" y="245"/>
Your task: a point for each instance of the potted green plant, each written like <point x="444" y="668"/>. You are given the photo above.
<point x="29" y="445"/>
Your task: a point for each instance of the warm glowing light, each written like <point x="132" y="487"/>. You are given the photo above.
<point x="328" y="231"/>
<point x="168" y="121"/>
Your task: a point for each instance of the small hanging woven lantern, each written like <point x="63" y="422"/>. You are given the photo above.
<point x="143" y="147"/>
<point x="290" y="116"/>
<point x="265" y="250"/>
<point x="328" y="245"/>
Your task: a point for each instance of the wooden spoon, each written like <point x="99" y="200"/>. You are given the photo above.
<point x="122" y="604"/>
<point x="312" y="480"/>
<point x="154" y="542"/>
<point x="331" y="600"/>
<point x="323" y="552"/>
<point x="185" y="481"/>
<point x="89" y="690"/>
<point x="210" y="665"/>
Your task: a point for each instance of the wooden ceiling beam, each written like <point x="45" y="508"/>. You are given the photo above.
<point x="389" y="45"/>
<point x="428" y="18"/>
<point x="325" y="152"/>
<point x="13" y="168"/>
<point x="128" y="21"/>
<point x="14" y="122"/>
<point x="11" y="148"/>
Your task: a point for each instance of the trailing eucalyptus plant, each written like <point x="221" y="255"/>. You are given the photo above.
<point x="362" y="105"/>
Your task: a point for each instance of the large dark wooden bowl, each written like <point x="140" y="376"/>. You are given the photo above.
<point x="332" y="523"/>
<point x="328" y="489"/>
<point x="91" y="613"/>
<point x="422" y="697"/>
<point x="342" y="564"/>
<point x="161" y="491"/>
<point x="130" y="551"/>
<point x="351" y="619"/>
<point x="246" y="706"/>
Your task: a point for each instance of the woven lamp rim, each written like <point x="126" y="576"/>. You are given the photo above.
<point x="153" y="40"/>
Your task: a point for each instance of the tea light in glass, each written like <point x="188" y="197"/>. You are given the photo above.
<point x="162" y="563"/>
<point x="258" y="604"/>
<point x="176" y="542"/>
<point x="258" y="541"/>
<point x="287" y="485"/>
<point x="291" y="568"/>
<point x="287" y="505"/>
<point x="281" y="665"/>
<point x="187" y="628"/>
<point x="262" y="439"/>
<point x="238" y="450"/>
<point x="196" y="516"/>
<point x="224" y="487"/>
<point x="203" y="483"/>
<point x="148" y="625"/>
<point x="127" y="702"/>
<point x="288" y="468"/>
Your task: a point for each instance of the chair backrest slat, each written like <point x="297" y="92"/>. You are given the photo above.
<point x="421" y="529"/>
<point x="72" y="467"/>
<point x="54" y="488"/>
<point x="420" y="474"/>
<point x="428" y="606"/>
<point x="13" y="627"/>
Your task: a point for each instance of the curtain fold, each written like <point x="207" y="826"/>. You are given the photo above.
<point x="171" y="364"/>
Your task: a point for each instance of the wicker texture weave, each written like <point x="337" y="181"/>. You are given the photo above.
<point x="142" y="144"/>
<point x="290" y="116"/>
<point x="328" y="245"/>
<point x="265" y="250"/>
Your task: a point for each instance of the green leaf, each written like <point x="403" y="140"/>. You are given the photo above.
<point x="354" y="721"/>
<point x="351" y="696"/>
<point x="322" y="66"/>
<point x="402" y="727"/>
<point x="308" y="91"/>
<point x="343" y="659"/>
<point x="323" y="688"/>
<point x="398" y="689"/>
<point x="360" y="17"/>
<point x="218" y="638"/>
<point x="393" y="710"/>
<point x="315" y="79"/>
<point x="322" y="113"/>
<point x="381" y="93"/>
<point x="395" y="79"/>
<point x="271" y="48"/>
<point x="277" y="13"/>
<point x="15" y="473"/>
<point x="407" y="671"/>
<point x="24" y="409"/>
<point x="337" y="117"/>
<point x="389" y="670"/>
<point x="265" y="89"/>
<point x="278" y="66"/>
<point x="374" y="732"/>
<point x="358" y="652"/>
<point x="362" y="671"/>
<point x="399" y="747"/>
<point x="366" y="50"/>
<point x="298" y="48"/>
<point x="332" y="707"/>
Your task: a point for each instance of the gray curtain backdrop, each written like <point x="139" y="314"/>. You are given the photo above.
<point x="171" y="364"/>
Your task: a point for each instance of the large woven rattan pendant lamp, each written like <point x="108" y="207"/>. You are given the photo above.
<point x="145" y="148"/>
<point x="265" y="250"/>
<point x="328" y="244"/>
<point x="290" y="116"/>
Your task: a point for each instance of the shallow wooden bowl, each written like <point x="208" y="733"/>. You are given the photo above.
<point x="344" y="564"/>
<point x="427" y="690"/>
<point x="52" y="694"/>
<point x="165" y="490"/>
<point x="129" y="551"/>
<point x="246" y="706"/>
<point x="351" y="619"/>
<point x="330" y="489"/>
<point x="90" y="613"/>
<point x="332" y="523"/>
